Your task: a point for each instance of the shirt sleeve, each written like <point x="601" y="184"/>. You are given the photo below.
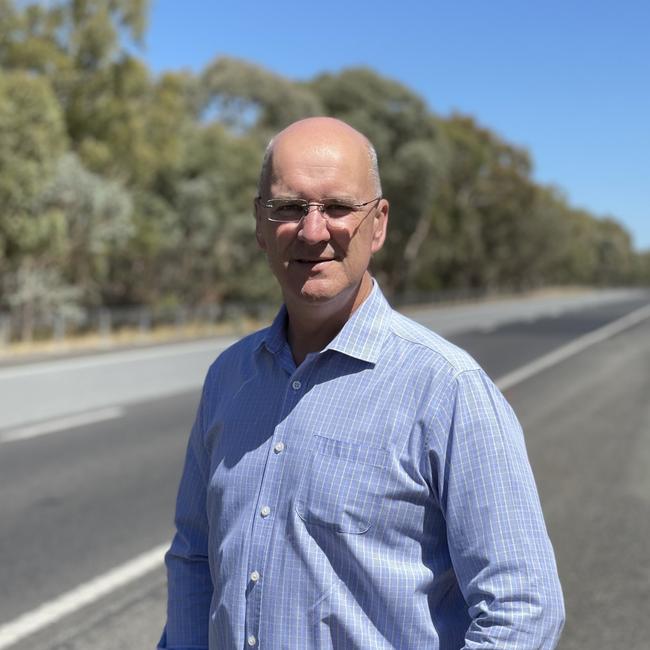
<point x="189" y="584"/>
<point x="497" y="538"/>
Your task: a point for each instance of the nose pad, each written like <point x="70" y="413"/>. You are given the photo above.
<point x="313" y="226"/>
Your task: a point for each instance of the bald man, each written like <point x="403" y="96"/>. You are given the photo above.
<point x="352" y="480"/>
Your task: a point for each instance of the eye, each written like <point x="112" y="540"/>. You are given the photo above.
<point x="286" y="210"/>
<point x="289" y="207"/>
<point x="336" y="208"/>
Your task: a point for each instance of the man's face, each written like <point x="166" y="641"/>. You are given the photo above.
<point x="316" y="261"/>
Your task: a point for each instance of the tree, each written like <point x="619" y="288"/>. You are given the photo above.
<point x="32" y="139"/>
<point x="247" y="98"/>
<point x="117" y="120"/>
<point x="118" y="187"/>
<point x="490" y="208"/>
<point x="614" y="253"/>
<point x="215" y="250"/>
<point x="39" y="295"/>
<point x="68" y="37"/>
<point x="97" y="219"/>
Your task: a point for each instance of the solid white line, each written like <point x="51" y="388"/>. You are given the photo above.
<point x="572" y="348"/>
<point x="110" y="359"/>
<point x="61" y="424"/>
<point x="85" y="594"/>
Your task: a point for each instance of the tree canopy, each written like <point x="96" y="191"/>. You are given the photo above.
<point x="120" y="187"/>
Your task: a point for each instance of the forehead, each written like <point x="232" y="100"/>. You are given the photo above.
<point x="317" y="165"/>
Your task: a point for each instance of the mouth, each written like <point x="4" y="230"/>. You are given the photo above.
<point x="314" y="263"/>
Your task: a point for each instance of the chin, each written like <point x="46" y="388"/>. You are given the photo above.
<point x="318" y="292"/>
<point x="316" y="296"/>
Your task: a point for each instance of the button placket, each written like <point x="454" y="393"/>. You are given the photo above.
<point x="267" y="503"/>
<point x="269" y="500"/>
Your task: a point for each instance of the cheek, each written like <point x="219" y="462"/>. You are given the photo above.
<point x="277" y="244"/>
<point x="261" y="242"/>
<point x="357" y="245"/>
<point x="342" y="238"/>
<point x="281" y="244"/>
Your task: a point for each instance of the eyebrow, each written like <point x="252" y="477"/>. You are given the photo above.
<point x="342" y="197"/>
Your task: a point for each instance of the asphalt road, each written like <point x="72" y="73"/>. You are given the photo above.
<point x="77" y="503"/>
<point x="587" y="424"/>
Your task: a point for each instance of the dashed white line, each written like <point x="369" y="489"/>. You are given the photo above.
<point x="87" y="593"/>
<point x="61" y="424"/>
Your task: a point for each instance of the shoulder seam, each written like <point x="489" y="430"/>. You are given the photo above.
<point x="464" y="371"/>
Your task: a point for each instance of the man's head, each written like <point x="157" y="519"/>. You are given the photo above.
<point x="322" y="259"/>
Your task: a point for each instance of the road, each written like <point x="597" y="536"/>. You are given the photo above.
<point x="77" y="503"/>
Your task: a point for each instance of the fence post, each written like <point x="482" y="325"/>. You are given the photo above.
<point x="214" y="312"/>
<point x="59" y="328"/>
<point x="144" y="324"/>
<point x="105" y="325"/>
<point x="181" y="318"/>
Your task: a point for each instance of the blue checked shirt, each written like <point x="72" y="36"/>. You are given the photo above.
<point x="377" y="496"/>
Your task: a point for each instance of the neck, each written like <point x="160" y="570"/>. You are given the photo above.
<point x="313" y="326"/>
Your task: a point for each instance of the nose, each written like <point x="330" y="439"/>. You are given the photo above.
<point x="313" y="226"/>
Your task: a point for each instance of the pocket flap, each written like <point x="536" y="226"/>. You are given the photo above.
<point x="354" y="452"/>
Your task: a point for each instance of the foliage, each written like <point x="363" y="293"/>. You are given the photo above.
<point x="32" y="138"/>
<point x="245" y="98"/>
<point x="120" y="188"/>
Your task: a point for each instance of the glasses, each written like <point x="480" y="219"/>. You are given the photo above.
<point x="294" y="210"/>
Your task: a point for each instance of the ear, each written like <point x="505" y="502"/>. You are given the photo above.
<point x="259" y="220"/>
<point x="379" y="225"/>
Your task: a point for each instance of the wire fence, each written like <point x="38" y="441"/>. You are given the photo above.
<point x="105" y="324"/>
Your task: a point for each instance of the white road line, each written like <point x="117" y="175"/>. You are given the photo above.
<point x="89" y="592"/>
<point x="85" y="594"/>
<point x="61" y="424"/>
<point x="110" y="359"/>
<point x="572" y="348"/>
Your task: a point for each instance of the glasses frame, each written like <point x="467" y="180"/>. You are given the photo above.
<point x="308" y="205"/>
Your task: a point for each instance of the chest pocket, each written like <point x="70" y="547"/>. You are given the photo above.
<point x="342" y="486"/>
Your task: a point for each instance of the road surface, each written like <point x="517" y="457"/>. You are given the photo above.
<point x="78" y="502"/>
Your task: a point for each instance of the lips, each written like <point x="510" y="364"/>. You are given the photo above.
<point x="313" y="264"/>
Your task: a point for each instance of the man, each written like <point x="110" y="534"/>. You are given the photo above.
<point x="352" y="480"/>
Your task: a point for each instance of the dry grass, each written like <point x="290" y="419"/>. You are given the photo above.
<point x="124" y="338"/>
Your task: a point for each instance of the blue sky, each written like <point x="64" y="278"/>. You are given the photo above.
<point x="570" y="80"/>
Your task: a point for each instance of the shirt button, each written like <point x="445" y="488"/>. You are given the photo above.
<point x="296" y="385"/>
<point x="251" y="639"/>
<point x="265" y="511"/>
<point x="278" y="447"/>
<point x="255" y="576"/>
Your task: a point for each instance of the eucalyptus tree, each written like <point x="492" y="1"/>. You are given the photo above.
<point x="32" y="139"/>
<point x="247" y="98"/>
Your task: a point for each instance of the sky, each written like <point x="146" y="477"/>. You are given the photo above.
<point x="568" y="80"/>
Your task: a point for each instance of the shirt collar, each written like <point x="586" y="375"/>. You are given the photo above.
<point x="361" y="337"/>
<point x="276" y="335"/>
